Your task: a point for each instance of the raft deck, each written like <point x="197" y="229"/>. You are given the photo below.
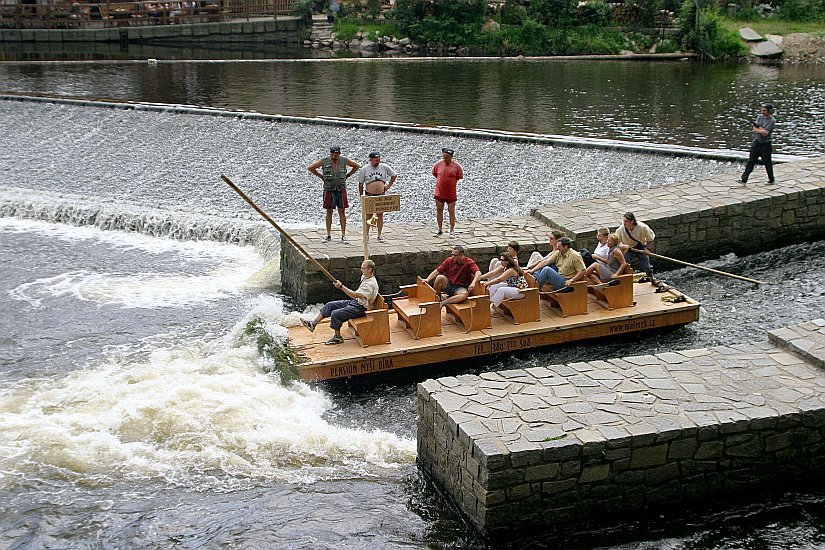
<point x="351" y="359"/>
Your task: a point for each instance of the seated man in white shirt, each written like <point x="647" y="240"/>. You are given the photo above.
<point x="340" y="311"/>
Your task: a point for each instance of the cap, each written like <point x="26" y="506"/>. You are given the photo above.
<point x="335" y="149"/>
<point x="768" y="106"/>
<point x="375" y="155"/>
<point x="448" y="151"/>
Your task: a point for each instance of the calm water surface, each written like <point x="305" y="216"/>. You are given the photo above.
<point x="672" y="102"/>
<point x="135" y="413"/>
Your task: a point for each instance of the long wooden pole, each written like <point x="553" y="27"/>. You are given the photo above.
<point x="703" y="268"/>
<point x="284" y="233"/>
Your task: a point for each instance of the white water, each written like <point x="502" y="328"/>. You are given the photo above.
<point x="199" y="412"/>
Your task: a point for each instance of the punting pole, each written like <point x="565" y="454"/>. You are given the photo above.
<point x="276" y="226"/>
<point x="703" y="268"/>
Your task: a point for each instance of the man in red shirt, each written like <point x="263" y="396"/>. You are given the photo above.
<point x="447" y="172"/>
<point x="456" y="277"/>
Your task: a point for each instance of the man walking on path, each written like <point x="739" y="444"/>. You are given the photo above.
<point x="335" y="177"/>
<point x="374" y="179"/>
<point x="447" y="172"/>
<point x="761" y="146"/>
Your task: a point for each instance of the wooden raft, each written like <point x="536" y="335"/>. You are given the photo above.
<point x="450" y="341"/>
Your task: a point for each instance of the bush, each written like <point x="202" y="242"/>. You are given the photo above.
<point x="709" y="35"/>
<point x="667" y="46"/>
<point x="648" y="12"/>
<point x="303" y="9"/>
<point x="595" y="12"/>
<point x="554" y="13"/>
<point x="445" y="22"/>
<point x="802" y="10"/>
<point x="513" y="13"/>
<point x="592" y="40"/>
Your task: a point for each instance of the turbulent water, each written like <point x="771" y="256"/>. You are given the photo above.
<point x="135" y="412"/>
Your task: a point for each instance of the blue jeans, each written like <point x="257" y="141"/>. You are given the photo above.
<point x="641" y="258"/>
<point x="549" y="275"/>
<point x="340" y="311"/>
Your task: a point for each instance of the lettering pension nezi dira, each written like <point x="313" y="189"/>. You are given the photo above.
<point x="381" y="203"/>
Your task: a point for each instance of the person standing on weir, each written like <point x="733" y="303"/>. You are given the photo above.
<point x="761" y="145"/>
<point x="374" y="179"/>
<point x="447" y="172"/>
<point x="335" y="177"/>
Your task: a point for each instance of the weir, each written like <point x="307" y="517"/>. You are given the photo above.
<point x="697" y="220"/>
<point x="555" y="444"/>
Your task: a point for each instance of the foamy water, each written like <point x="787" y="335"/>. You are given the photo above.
<point x="200" y="412"/>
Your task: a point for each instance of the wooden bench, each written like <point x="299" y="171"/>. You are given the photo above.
<point x="474" y="312"/>
<point x="571" y="303"/>
<point x="616" y="296"/>
<point x="419" y="312"/>
<point x="525" y="309"/>
<point x="374" y="328"/>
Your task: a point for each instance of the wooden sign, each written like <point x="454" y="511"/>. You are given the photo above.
<point x="380" y="203"/>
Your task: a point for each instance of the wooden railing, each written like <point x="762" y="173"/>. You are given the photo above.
<point x="60" y="14"/>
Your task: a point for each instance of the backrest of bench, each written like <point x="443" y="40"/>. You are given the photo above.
<point x="378" y="303"/>
<point x="424" y="291"/>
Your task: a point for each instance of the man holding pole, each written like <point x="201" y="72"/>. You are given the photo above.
<point x="340" y="311"/>
<point x="636" y="241"/>
<point x="375" y="179"/>
<point x="335" y="177"/>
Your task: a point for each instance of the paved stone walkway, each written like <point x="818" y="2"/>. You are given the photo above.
<point x="671" y="209"/>
<point x="590" y="440"/>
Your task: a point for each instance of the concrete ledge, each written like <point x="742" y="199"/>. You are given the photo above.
<point x="555" y="444"/>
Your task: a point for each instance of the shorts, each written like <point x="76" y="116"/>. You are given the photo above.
<point x="452" y="290"/>
<point x="442" y="199"/>
<point x="336" y="199"/>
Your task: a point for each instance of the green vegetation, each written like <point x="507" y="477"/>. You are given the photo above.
<point x="564" y="27"/>
<point x="346" y="29"/>
<point x="706" y="33"/>
<point x="284" y="360"/>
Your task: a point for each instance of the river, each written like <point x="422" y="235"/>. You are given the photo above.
<point x="134" y="412"/>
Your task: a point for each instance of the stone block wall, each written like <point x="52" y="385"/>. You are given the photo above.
<point x="540" y="447"/>
<point x="284" y="30"/>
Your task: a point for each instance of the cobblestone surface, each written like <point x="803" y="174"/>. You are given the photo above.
<point x="554" y="443"/>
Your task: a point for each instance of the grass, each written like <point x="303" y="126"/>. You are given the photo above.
<point x="775" y="25"/>
<point x="346" y="29"/>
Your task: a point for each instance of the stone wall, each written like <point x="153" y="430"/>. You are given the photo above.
<point x="704" y="219"/>
<point x="544" y="446"/>
<point x="284" y="30"/>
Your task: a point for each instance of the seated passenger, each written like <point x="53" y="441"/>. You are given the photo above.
<point x="356" y="306"/>
<point x="603" y="272"/>
<point x="536" y="256"/>
<point x="600" y="253"/>
<point x="495" y="269"/>
<point x="456" y="277"/>
<point x="559" y="266"/>
<point x="507" y="285"/>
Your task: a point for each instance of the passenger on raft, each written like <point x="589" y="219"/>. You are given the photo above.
<point x="456" y="277"/>
<point x="495" y="268"/>
<point x="507" y="285"/>
<point x="536" y="257"/>
<point x="603" y="272"/>
<point x="559" y="267"/>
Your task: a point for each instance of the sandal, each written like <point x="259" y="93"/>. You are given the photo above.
<point x="308" y="324"/>
<point x="335" y="340"/>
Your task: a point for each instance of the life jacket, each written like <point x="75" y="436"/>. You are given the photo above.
<point x="334" y="180"/>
